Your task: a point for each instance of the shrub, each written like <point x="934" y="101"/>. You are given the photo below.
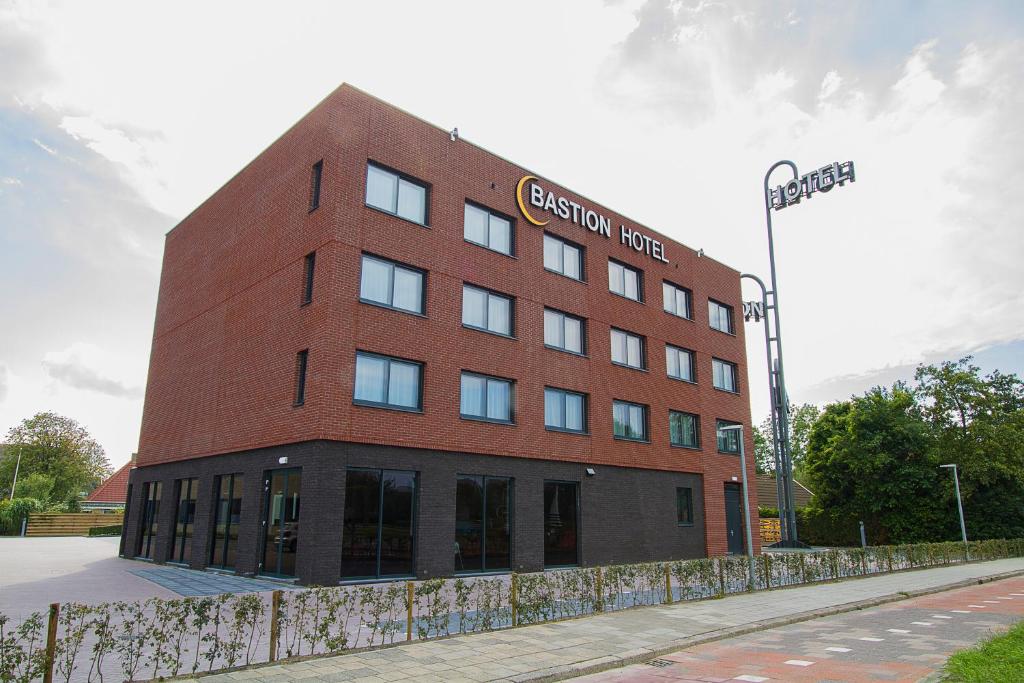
<point x="112" y="530"/>
<point x="13" y="511"/>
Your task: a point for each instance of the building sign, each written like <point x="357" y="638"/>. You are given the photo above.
<point x="753" y="309"/>
<point x="822" y="180"/>
<point x="566" y="209"/>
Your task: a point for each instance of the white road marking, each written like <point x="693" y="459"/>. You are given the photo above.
<point x="1000" y="597"/>
<point x="1019" y="595"/>
<point x="921" y="623"/>
<point x="991" y="602"/>
<point x="897" y="630"/>
<point x="941" y="616"/>
<point x="798" y="662"/>
<point x="751" y="678"/>
<point x="837" y="649"/>
<point x="872" y="640"/>
<point x="978" y="606"/>
<point x="961" y="611"/>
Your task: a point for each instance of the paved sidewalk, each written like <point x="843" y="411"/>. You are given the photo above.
<point x="571" y="648"/>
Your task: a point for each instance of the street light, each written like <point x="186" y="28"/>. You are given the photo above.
<point x="17" y="465"/>
<point x="746" y="504"/>
<point x="960" y="509"/>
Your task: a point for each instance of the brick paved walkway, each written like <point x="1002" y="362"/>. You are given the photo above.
<point x="568" y="648"/>
<point x="903" y="641"/>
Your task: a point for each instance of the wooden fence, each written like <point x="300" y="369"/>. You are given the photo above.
<point x="69" y="523"/>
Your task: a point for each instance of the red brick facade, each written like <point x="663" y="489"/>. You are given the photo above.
<point x="229" y="320"/>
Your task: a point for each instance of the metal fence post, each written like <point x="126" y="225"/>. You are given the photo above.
<point x="411" y="596"/>
<point x="668" y="583"/>
<point x="275" y="625"/>
<point x="51" y="642"/>
<point x="598" y="590"/>
<point x="513" y="599"/>
<point x="24" y="526"/>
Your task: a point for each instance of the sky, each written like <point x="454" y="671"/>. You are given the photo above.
<point x="119" y="118"/>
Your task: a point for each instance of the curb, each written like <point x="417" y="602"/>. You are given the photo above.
<point x="592" y="666"/>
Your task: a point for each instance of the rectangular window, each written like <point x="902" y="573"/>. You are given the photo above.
<point x="396" y="194"/>
<point x="314" y="185"/>
<point x="391" y="284"/>
<point x="184" y="519"/>
<point x="625" y="281"/>
<point x="729" y="439"/>
<point x="720" y="316"/>
<point x="679" y="363"/>
<point x="486" y="398"/>
<point x="723" y="375"/>
<point x="227" y="516"/>
<point x="378" y="534"/>
<point x="565" y="410"/>
<point x="301" y="360"/>
<point x="387" y="382"/>
<point x="281" y="521"/>
<point x="684" y="506"/>
<point x="563" y="331"/>
<point x="485" y="310"/>
<point x="629" y="421"/>
<point x="564" y="257"/>
<point x="488" y="229"/>
<point x="676" y="300"/>
<point x="150" y="518"/>
<point x="683" y="430"/>
<point x="483" y="523"/>
<point x="307" y="282"/>
<point x="561" y="522"/>
<point x="628" y="349"/>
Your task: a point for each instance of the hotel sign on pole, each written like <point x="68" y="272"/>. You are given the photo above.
<point x="822" y="180"/>
<point x="566" y="209"/>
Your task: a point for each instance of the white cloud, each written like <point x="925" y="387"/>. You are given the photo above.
<point x="86" y="367"/>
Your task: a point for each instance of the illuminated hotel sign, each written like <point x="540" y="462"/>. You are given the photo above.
<point x="822" y="180"/>
<point x="582" y="216"/>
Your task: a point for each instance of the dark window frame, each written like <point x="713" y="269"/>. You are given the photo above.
<point x="483" y="528"/>
<point x="719" y="423"/>
<point x="315" y="185"/>
<point x="579" y="520"/>
<point x="237" y="479"/>
<point x="696" y="430"/>
<point x="732" y="317"/>
<point x="414" y="523"/>
<point x="585" y="431"/>
<point x="583" y="332"/>
<point x="646" y="438"/>
<point x="512" y="242"/>
<point x="483" y="418"/>
<point x="309" y="272"/>
<point x="391" y="285"/>
<point x="735" y="375"/>
<point x="639" y="282"/>
<point x="387" y="382"/>
<point x="193" y="498"/>
<point x="491" y="292"/>
<point x="681" y="519"/>
<point x="301" y="366"/>
<point x="427" y="187"/>
<point x="689" y="299"/>
<point x="693" y="363"/>
<point x="643" y="350"/>
<point x="583" y="257"/>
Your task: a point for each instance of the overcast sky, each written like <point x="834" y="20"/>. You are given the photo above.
<point x="117" y="119"/>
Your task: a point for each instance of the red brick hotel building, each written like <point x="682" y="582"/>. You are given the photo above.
<point x="453" y="363"/>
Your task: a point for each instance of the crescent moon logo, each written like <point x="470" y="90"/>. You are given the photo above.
<point x="519" y="200"/>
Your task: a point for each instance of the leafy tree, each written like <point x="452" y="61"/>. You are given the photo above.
<point x="53" y="448"/>
<point x="801" y="419"/>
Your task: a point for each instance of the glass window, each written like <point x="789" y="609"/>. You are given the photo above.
<point x="628" y="349"/>
<point x="486" y="398"/>
<point x="723" y="374"/>
<point x="679" y="363"/>
<point x="483" y="523"/>
<point x="487" y="229"/>
<point x="561" y="520"/>
<point x="563" y="331"/>
<point x="565" y="410"/>
<point x="227" y="517"/>
<point x="378" y="533"/>
<point x="184" y="519"/>
<point x="728" y="440"/>
<point x="676" y="300"/>
<point x="629" y="420"/>
<point x="682" y="429"/>
<point x="486" y="310"/>
<point x="391" y="284"/>
<point x="625" y="281"/>
<point x="563" y="257"/>
<point x="281" y="540"/>
<point x="396" y="194"/>
<point x="684" y="506"/>
<point x="720" y="316"/>
<point x="307" y="289"/>
<point x="150" y="518"/>
<point x="387" y="382"/>
<point x="301" y="362"/>
<point x="314" y="185"/>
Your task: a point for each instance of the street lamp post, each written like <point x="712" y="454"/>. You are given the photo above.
<point x="751" y="584"/>
<point x="17" y="465"/>
<point x="960" y="508"/>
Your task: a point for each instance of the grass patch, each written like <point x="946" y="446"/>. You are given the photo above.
<point x="1000" y="658"/>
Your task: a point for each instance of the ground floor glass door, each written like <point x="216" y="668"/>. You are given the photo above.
<point x="184" y="518"/>
<point x="150" y="514"/>
<point x="734" y="519"/>
<point x="379" y="531"/>
<point x="561" y="523"/>
<point x="282" y="521"/>
<point x="227" y="516"/>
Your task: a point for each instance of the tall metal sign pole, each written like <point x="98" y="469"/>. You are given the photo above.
<point x="800" y="187"/>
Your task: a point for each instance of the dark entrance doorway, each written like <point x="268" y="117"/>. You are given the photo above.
<point x="734" y="518"/>
<point x="282" y="521"/>
<point x="561" y="522"/>
<point x="379" y="530"/>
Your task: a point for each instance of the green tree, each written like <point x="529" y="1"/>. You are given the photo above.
<point x="801" y="419"/>
<point x="872" y="458"/>
<point x="53" y="449"/>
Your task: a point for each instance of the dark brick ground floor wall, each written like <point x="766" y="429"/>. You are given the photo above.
<point x="626" y="514"/>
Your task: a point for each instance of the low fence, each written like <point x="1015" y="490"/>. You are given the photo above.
<point x="162" y="638"/>
<point x="69" y="523"/>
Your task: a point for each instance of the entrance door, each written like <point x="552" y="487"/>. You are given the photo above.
<point x="561" y="520"/>
<point x="282" y="521"/>
<point x="734" y="518"/>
